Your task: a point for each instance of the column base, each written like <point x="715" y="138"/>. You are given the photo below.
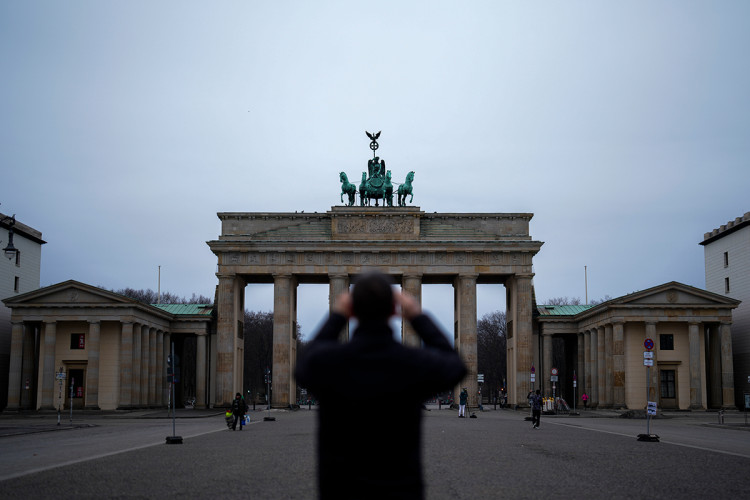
<point x="91" y="408"/>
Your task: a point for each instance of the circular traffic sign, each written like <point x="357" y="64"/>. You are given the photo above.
<point x="554" y="371"/>
<point x="648" y="344"/>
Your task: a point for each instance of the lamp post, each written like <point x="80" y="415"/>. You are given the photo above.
<point x="10" y="251"/>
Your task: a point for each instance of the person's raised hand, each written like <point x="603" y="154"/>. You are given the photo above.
<point x="410" y="308"/>
<point x="343" y="305"/>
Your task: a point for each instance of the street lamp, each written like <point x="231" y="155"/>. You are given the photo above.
<point x="10" y="251"/>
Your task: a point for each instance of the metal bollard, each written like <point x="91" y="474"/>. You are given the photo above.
<point x="721" y="416"/>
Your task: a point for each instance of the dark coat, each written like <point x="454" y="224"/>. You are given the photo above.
<point x="371" y="392"/>
<point x="239" y="407"/>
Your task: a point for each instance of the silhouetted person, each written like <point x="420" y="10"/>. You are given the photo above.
<point x="365" y="449"/>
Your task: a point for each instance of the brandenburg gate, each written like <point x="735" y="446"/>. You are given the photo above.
<point x="411" y="246"/>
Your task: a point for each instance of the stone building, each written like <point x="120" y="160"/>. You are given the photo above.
<point x="19" y="273"/>
<point x="604" y="344"/>
<point x="113" y="350"/>
<point x="727" y="262"/>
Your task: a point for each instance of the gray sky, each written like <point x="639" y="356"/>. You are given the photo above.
<point x="623" y="126"/>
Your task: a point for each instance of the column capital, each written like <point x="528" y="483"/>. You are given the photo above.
<point x="93" y="321"/>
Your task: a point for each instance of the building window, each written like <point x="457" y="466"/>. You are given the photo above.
<point x="666" y="342"/>
<point x="18" y="258"/>
<point x="78" y="341"/>
<point x="726" y="259"/>
<point x="667" y="384"/>
<point x="726" y="285"/>
<point x="16" y="284"/>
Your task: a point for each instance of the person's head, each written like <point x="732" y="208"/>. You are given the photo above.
<point x="538" y="392"/>
<point x="372" y="297"/>
<point x="237" y="396"/>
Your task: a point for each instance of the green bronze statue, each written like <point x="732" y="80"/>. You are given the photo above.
<point x="376" y="182"/>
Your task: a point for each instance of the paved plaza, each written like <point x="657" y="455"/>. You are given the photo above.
<point x="496" y="455"/>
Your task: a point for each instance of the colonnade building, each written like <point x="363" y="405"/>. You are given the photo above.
<point x="116" y="349"/>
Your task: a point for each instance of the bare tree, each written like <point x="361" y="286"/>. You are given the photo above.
<point x="604" y="299"/>
<point x="563" y="301"/>
<point x="491" y="351"/>
<point x="149" y="296"/>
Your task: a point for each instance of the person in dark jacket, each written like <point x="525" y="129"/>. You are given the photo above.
<point x="536" y="409"/>
<point x="239" y="408"/>
<point x="366" y="450"/>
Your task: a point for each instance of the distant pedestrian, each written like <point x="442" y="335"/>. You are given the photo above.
<point x="536" y="409"/>
<point x="585" y="399"/>
<point x="239" y="408"/>
<point x="462" y="403"/>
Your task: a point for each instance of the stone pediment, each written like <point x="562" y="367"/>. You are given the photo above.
<point x="676" y="294"/>
<point x="69" y="292"/>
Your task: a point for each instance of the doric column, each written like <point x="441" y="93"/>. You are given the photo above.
<point x="14" y="371"/>
<point x="696" y="383"/>
<point x="653" y="383"/>
<point x="161" y="369"/>
<point x="167" y="349"/>
<point x="152" y="367"/>
<point x="48" y="372"/>
<point x="27" y="372"/>
<point x="338" y="284"/>
<point x="135" y="394"/>
<point x="545" y="371"/>
<point x="281" y="377"/>
<point x="601" y="366"/>
<point x="594" y="365"/>
<point x="714" y="357"/>
<point x="521" y="292"/>
<point x="618" y="364"/>
<point x="587" y="365"/>
<point x="466" y="298"/>
<point x="229" y="312"/>
<point x="145" y="365"/>
<point x="92" y="369"/>
<point x="609" y="375"/>
<point x="200" y="371"/>
<point x="411" y="284"/>
<point x="580" y="369"/>
<point x="727" y="370"/>
<point x="126" y="364"/>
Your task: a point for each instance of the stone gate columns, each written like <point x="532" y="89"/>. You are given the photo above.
<point x="161" y="368"/>
<point x="609" y="367"/>
<point x="618" y="364"/>
<point x="14" y="373"/>
<point x="284" y="291"/>
<point x="338" y="284"/>
<point x="411" y="284"/>
<point x="727" y="370"/>
<point x="145" y="358"/>
<point x="545" y="382"/>
<point x="135" y="396"/>
<point x="200" y="371"/>
<point x="714" y="356"/>
<point x="230" y="312"/>
<point x="593" y="365"/>
<point x="126" y="365"/>
<point x="152" y="366"/>
<point x="465" y="287"/>
<point x="587" y="365"/>
<point x="581" y="367"/>
<point x="48" y="372"/>
<point x="601" y="366"/>
<point x="92" y="369"/>
<point x="520" y="291"/>
<point x="696" y="383"/>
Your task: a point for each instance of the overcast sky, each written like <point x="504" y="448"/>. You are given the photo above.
<point x="623" y="126"/>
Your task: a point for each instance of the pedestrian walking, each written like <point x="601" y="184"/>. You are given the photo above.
<point x="239" y="408"/>
<point x="585" y="399"/>
<point x="363" y="453"/>
<point x="536" y="409"/>
<point x="462" y="399"/>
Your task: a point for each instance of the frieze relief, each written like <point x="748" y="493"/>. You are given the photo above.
<point x="374" y="226"/>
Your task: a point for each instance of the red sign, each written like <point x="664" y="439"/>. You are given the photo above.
<point x="648" y="344"/>
<point x="82" y="341"/>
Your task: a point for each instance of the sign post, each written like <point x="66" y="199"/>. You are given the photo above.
<point x="648" y="362"/>
<point x="553" y="379"/>
<point x="61" y="377"/>
<point x="173" y="439"/>
<point x="575" y="383"/>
